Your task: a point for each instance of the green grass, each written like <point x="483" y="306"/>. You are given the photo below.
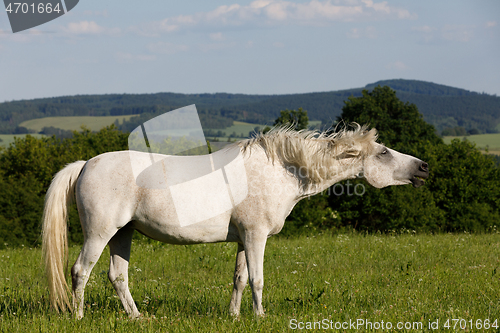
<point x="73" y="123"/>
<point x="96" y="123"/>
<point x="314" y="123"/>
<point x="394" y="278"/>
<point x="240" y="127"/>
<point x="7" y="139"/>
<point x="481" y="140"/>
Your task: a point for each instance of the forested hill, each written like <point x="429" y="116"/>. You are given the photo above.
<point x="421" y="88"/>
<point x="448" y="107"/>
<point x="442" y="106"/>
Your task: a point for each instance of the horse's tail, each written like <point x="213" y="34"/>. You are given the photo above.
<point x="59" y="196"/>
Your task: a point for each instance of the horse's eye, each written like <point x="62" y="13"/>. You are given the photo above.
<point x="384" y="151"/>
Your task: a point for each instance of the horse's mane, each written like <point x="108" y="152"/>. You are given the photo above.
<point x="314" y="152"/>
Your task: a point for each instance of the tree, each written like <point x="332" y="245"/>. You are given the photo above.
<point x="461" y="193"/>
<point x="296" y="119"/>
<point x="400" y="125"/>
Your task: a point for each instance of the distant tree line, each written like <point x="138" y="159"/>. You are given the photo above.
<point x="444" y="107"/>
<point x="209" y="119"/>
<point x="421" y="88"/>
<point x="459" y="131"/>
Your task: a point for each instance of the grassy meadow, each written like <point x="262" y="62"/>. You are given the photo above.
<point x="482" y="141"/>
<point x="403" y="278"/>
<point x="7" y="139"/>
<point x="73" y="123"/>
<point x="240" y="128"/>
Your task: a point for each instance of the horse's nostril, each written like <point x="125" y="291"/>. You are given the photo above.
<point x="424" y="166"/>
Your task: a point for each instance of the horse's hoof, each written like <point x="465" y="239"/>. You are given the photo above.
<point x="136" y="316"/>
<point x="260" y="314"/>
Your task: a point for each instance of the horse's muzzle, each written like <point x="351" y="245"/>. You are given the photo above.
<point x="421" y="175"/>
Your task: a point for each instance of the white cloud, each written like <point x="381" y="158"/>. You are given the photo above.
<point x="383" y="8"/>
<point x="491" y="24"/>
<point x="425" y="32"/>
<point x="103" y="13"/>
<point x="208" y="47"/>
<point x="88" y="27"/>
<point x="458" y="33"/>
<point x="166" y="48"/>
<point x="216" y="36"/>
<point x="84" y="27"/>
<point x="23" y="36"/>
<point x="129" y="57"/>
<point x="369" y="32"/>
<point x="354" y="33"/>
<point x="425" y="29"/>
<point x="455" y="33"/>
<point x="397" y="65"/>
<point x="273" y="12"/>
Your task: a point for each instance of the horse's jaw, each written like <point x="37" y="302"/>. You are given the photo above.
<point x="417" y="181"/>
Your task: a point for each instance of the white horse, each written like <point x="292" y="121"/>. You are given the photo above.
<point x="278" y="169"/>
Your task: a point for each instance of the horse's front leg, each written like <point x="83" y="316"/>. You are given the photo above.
<point x="255" y="243"/>
<point x="240" y="280"/>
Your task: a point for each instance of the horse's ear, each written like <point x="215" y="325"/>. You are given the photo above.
<point x="353" y="150"/>
<point x="370" y="135"/>
<point x="351" y="153"/>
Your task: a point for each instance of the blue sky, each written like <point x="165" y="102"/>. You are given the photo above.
<point x="251" y="47"/>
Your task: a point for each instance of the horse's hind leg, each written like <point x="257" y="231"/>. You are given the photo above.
<point x="240" y="280"/>
<point x="80" y="272"/>
<point x="119" y="248"/>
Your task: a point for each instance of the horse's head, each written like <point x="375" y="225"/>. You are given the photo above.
<point x="384" y="167"/>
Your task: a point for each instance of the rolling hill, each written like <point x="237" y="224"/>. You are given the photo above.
<point x="442" y="106"/>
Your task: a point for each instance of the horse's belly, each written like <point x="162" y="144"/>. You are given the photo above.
<point x="214" y="230"/>
<point x="161" y="217"/>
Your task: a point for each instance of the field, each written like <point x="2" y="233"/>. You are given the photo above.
<point x="482" y="141"/>
<point x="7" y="139"/>
<point x="406" y="280"/>
<point x="243" y="129"/>
<point x="72" y="123"/>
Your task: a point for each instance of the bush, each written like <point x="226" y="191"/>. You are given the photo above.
<point x="310" y="215"/>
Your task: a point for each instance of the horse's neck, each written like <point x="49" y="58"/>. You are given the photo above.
<point x="347" y="168"/>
